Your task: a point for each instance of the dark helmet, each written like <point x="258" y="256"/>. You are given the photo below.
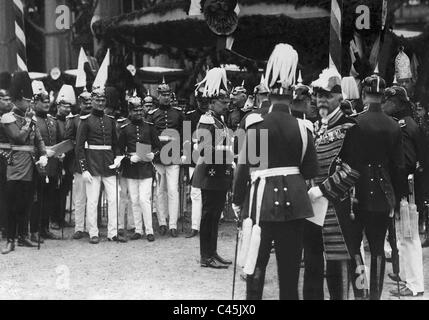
<point x="134" y="103"/>
<point x="164" y="87"/>
<point x="98" y="93"/>
<point x="374" y="84"/>
<point x="85" y="96"/>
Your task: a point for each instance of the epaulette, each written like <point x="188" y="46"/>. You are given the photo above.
<point x="71" y="116"/>
<point x="207" y="119"/>
<point x="252" y="119"/>
<point x="150" y="123"/>
<point x="125" y="125"/>
<point x="121" y="120"/>
<point x="111" y="117"/>
<point x="8" y="118"/>
<point x="309" y="125"/>
<point x="151" y="112"/>
<point x="85" y="117"/>
<point x="190" y="112"/>
<point x="52" y="117"/>
<point x="178" y="109"/>
<point x="402" y="123"/>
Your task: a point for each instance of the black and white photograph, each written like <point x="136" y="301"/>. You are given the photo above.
<point x="220" y="152"/>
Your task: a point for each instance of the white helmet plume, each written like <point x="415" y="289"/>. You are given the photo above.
<point x="281" y="67"/>
<point x="213" y="82"/>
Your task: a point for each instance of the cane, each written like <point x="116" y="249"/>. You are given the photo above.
<point x="71" y="204"/>
<point x="181" y="196"/>
<point x="117" y="205"/>
<point x="235" y="257"/>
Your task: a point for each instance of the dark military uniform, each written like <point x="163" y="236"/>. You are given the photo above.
<point x="379" y="159"/>
<point x="170" y="118"/>
<point x="285" y="203"/>
<point x="66" y="170"/>
<point x="48" y="194"/>
<point x="138" y="176"/>
<point x="213" y="179"/>
<point x="130" y="134"/>
<point x="27" y="146"/>
<point x="96" y="148"/>
<point x="98" y="130"/>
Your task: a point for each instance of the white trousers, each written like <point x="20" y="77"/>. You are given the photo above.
<point x="92" y="194"/>
<point x="140" y="191"/>
<point x="79" y="198"/>
<point x="125" y="205"/>
<point x="411" y="263"/>
<point x="168" y="194"/>
<point x="197" y="204"/>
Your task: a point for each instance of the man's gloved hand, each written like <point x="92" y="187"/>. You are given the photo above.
<point x="315" y="193"/>
<point x="150" y="156"/>
<point x="117" y="162"/>
<point x="43" y="161"/>
<point x="135" y="159"/>
<point x="87" y="177"/>
<point x="183" y="159"/>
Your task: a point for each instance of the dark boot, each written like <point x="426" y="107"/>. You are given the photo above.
<point x="378" y="264"/>
<point x="359" y="279"/>
<point x="255" y="285"/>
<point x="10" y="246"/>
<point x="337" y="277"/>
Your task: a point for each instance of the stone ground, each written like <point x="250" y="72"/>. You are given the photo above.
<point x="165" y="269"/>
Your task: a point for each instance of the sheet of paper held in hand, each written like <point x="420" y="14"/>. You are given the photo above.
<point x="62" y="147"/>
<point x="320" y="207"/>
<point x="143" y="150"/>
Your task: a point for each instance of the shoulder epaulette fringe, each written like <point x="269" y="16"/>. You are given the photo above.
<point x="85" y="117"/>
<point x="8" y="118"/>
<point x="252" y="119"/>
<point x="207" y="119"/>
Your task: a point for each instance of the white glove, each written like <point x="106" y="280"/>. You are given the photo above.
<point x="50" y="153"/>
<point x="315" y="193"/>
<point x="135" y="159"/>
<point x="237" y="210"/>
<point x="150" y="156"/>
<point x="116" y="162"/>
<point x="43" y="161"/>
<point x="87" y="176"/>
<point x="183" y="159"/>
<point x="234" y="166"/>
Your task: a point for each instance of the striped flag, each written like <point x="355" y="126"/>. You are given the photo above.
<point x="335" y="40"/>
<point x="21" y="45"/>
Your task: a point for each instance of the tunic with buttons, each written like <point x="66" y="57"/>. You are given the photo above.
<point x="167" y="118"/>
<point x="21" y="166"/>
<point x="131" y="134"/>
<point x="208" y="174"/>
<point x="285" y="197"/>
<point x="97" y="130"/>
<point x="49" y="129"/>
<point x="379" y="159"/>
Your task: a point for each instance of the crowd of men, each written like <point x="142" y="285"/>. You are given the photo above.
<point x="340" y="159"/>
